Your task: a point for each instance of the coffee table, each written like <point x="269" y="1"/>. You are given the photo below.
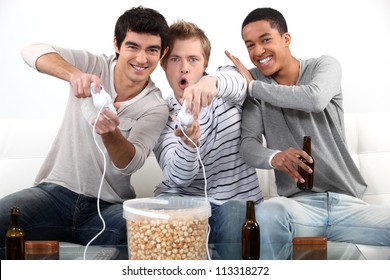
<point x="223" y="251"/>
<point x="330" y="251"/>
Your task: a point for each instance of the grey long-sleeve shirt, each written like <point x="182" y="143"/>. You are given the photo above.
<point x="284" y="114"/>
<point x="74" y="161"/>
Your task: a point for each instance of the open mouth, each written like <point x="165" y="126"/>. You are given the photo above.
<point x="183" y="83"/>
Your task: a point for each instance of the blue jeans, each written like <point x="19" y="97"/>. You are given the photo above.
<point x="226" y="221"/>
<point x="338" y="217"/>
<point x="225" y="227"/>
<point x="52" y="212"/>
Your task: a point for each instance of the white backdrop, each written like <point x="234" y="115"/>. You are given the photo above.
<point x="356" y="32"/>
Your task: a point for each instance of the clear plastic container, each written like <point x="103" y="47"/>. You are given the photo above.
<point x="167" y="228"/>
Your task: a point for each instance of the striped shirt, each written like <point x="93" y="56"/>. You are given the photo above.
<point x="227" y="175"/>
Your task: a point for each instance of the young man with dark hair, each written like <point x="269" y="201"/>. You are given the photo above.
<point x="63" y="203"/>
<point x="289" y="98"/>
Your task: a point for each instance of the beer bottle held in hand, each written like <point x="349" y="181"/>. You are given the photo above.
<point x="309" y="177"/>
<point x="14" y="238"/>
<point x="250" y="234"/>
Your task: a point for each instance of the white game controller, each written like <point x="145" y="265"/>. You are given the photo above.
<point x="183" y="118"/>
<point x="102" y="98"/>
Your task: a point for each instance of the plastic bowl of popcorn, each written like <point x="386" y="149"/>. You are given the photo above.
<point x="167" y="228"/>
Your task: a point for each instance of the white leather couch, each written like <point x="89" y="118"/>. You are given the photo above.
<point x="25" y="142"/>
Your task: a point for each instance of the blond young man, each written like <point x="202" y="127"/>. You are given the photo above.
<point x="216" y="133"/>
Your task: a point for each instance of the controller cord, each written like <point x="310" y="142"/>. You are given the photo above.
<point x="205" y="185"/>
<point x="101" y="181"/>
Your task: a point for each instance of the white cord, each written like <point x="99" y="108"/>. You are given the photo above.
<point x="200" y="159"/>
<point x="101" y="181"/>
<point x="205" y="185"/>
<point x="207" y="241"/>
<point x="104" y="172"/>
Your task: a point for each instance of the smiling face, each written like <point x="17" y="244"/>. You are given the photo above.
<point x="138" y="57"/>
<point x="268" y="50"/>
<point x="185" y="65"/>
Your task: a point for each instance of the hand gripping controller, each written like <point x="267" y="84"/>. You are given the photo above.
<point x="102" y="98"/>
<point x="183" y="118"/>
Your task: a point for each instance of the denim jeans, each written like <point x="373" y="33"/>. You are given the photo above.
<point x="226" y="221"/>
<point x="338" y="217"/>
<point x="52" y="212"/>
<point x="225" y="227"/>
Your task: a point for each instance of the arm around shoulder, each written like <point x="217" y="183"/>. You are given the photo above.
<point x="318" y="83"/>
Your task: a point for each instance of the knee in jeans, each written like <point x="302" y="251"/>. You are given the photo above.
<point x="232" y="211"/>
<point x="271" y="210"/>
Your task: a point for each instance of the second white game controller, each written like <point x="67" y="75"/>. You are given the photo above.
<point x="183" y="118"/>
<point x="102" y="98"/>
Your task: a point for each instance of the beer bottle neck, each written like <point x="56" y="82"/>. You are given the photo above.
<point x="250" y="211"/>
<point x="15" y="217"/>
<point x="307" y="144"/>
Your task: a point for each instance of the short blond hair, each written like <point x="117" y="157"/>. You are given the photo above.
<point x="184" y="30"/>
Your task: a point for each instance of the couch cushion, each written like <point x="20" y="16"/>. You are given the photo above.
<point x="24" y="144"/>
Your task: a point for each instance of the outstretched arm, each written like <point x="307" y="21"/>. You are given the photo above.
<point x="47" y="59"/>
<point x="226" y="83"/>
<point x="62" y="63"/>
